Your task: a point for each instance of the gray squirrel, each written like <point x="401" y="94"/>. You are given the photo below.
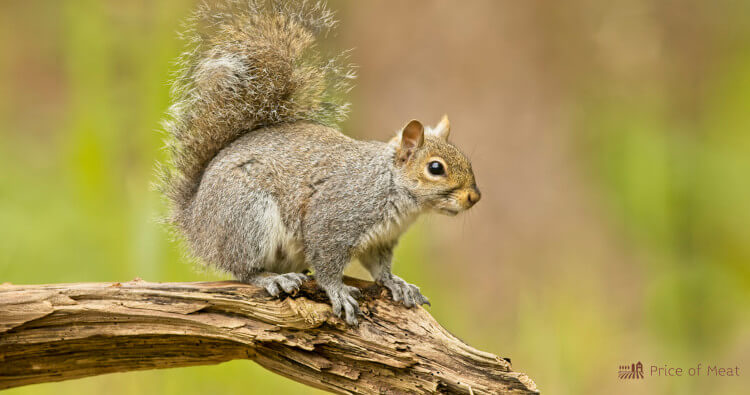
<point x="260" y="182"/>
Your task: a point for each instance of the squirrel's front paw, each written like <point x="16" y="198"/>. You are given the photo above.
<point x="344" y="302"/>
<point x="404" y="292"/>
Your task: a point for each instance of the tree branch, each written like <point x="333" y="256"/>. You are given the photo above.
<point x="64" y="331"/>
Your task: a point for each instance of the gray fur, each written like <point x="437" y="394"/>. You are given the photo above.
<point x="249" y="63"/>
<point x="263" y="187"/>
<point x="328" y="190"/>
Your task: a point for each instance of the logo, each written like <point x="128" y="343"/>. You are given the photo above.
<point x="632" y="371"/>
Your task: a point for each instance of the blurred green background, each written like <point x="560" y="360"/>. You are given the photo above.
<point x="611" y="141"/>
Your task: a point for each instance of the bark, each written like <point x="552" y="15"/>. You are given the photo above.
<point x="64" y="331"/>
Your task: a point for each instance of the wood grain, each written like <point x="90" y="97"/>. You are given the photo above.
<point x="64" y="331"/>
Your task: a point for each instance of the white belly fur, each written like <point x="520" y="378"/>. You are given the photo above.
<point x="385" y="232"/>
<point x="280" y="238"/>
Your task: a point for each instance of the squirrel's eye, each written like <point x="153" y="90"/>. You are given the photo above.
<point x="435" y="168"/>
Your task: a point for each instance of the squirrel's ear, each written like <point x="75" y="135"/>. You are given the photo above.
<point x="442" y="129"/>
<point x="412" y="137"/>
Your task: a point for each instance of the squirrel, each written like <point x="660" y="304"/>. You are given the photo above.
<point x="262" y="184"/>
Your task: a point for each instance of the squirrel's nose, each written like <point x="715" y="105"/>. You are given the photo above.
<point x="473" y="196"/>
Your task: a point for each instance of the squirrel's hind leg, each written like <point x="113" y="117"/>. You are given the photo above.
<point x="269" y="255"/>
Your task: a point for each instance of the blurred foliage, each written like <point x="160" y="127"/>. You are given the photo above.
<point x="667" y="160"/>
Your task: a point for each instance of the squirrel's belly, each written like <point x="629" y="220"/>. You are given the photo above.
<point x="284" y="252"/>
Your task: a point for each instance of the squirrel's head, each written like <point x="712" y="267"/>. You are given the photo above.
<point x="437" y="173"/>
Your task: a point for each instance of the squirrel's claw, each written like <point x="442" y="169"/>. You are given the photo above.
<point x="288" y="282"/>
<point x="353" y="291"/>
<point x="404" y="292"/>
<point x="343" y="301"/>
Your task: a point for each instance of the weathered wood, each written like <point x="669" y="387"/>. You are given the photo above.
<point x="64" y="331"/>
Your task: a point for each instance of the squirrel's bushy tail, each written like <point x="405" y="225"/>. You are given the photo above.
<point x="250" y="63"/>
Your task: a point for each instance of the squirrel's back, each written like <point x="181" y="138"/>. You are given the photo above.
<point x="297" y="161"/>
<point x="250" y="64"/>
